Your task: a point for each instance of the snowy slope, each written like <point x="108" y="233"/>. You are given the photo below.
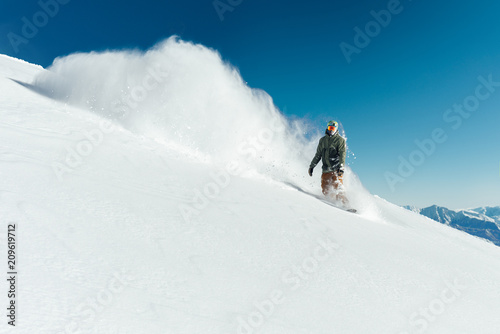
<point x="141" y="223"/>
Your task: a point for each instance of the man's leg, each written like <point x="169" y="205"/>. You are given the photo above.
<point x="327" y="183"/>
<point x="338" y="185"/>
<point x="332" y="187"/>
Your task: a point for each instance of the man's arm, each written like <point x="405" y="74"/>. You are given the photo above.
<point x="317" y="157"/>
<point x="342" y="153"/>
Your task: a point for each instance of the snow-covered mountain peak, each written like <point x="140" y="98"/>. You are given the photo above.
<point x="474" y="221"/>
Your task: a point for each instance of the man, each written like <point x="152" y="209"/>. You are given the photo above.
<point x="331" y="151"/>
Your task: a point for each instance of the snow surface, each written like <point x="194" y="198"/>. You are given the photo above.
<point x="185" y="211"/>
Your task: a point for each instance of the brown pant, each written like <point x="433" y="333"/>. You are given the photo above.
<point x="330" y="183"/>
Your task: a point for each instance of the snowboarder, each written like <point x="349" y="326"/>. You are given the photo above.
<point x="331" y="151"/>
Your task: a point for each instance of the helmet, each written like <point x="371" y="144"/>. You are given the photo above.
<point x="332" y="127"/>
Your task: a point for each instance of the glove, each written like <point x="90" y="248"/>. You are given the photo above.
<point x="310" y="171"/>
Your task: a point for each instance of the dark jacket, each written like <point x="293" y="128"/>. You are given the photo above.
<point x="331" y="151"/>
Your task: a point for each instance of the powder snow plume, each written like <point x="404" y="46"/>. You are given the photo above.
<point x="185" y="96"/>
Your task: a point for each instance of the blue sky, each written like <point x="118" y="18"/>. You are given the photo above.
<point x="395" y="90"/>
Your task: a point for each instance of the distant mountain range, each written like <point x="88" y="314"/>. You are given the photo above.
<point x="481" y="222"/>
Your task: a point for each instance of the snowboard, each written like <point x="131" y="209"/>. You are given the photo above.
<point x="323" y="199"/>
<point x="334" y="204"/>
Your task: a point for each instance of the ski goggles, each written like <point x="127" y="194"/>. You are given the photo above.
<point x="331" y="128"/>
